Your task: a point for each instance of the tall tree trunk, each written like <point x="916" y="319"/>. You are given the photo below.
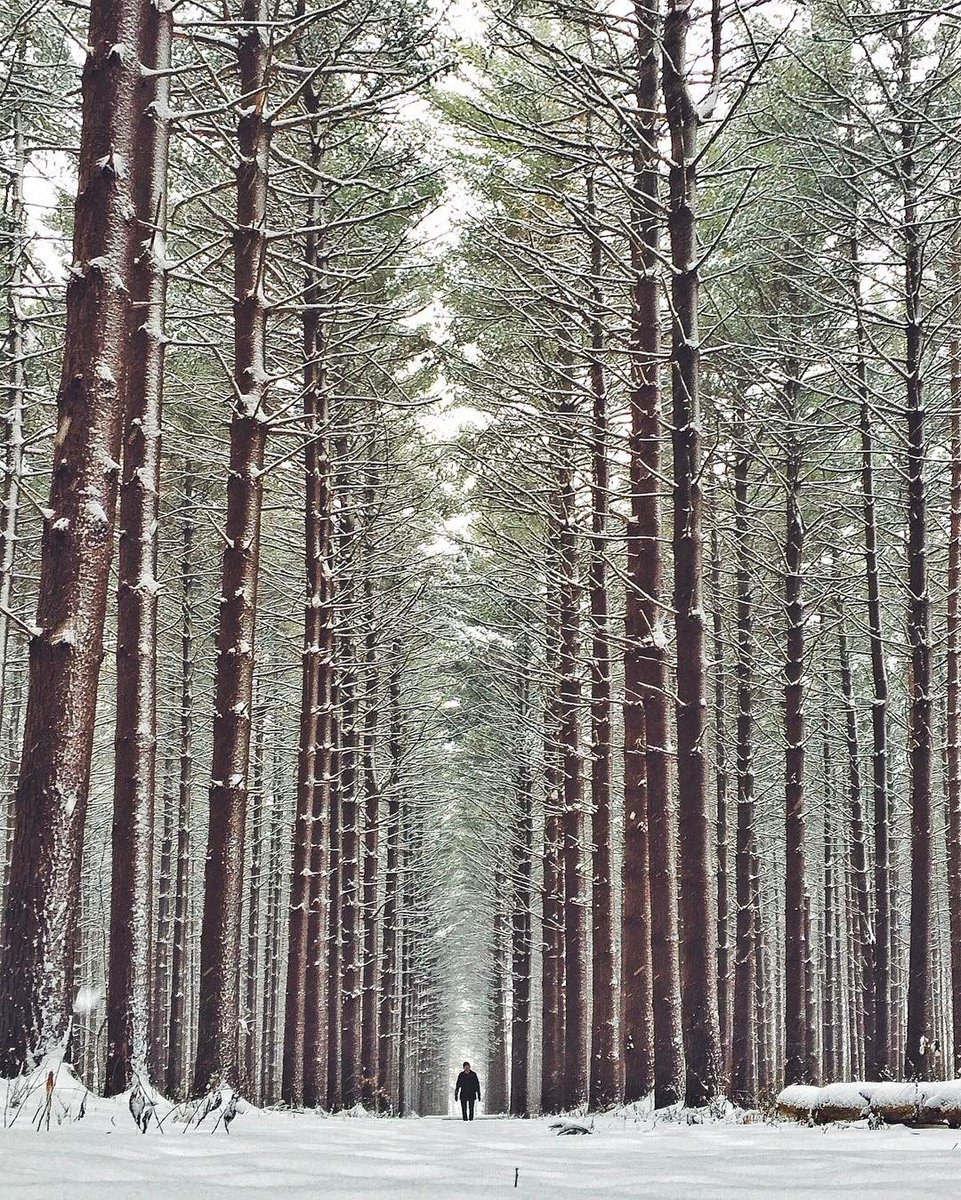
<point x="135" y="744"/>
<point x="160" y="981"/>
<point x="217" y="1059"/>
<point x="496" y="1098"/>
<point x="605" y="1069"/>
<point x="322" y="958"/>
<point x="650" y="970"/>
<point x="552" y="904"/>
<point x="798" y="1037"/>
<point x="724" y="981"/>
<point x="953" y="731"/>
<point x="334" y="888"/>
<point x="308" y="885"/>
<point x="14" y="461"/>
<point x="831" y="1023"/>
<point x="702" y="1047"/>
<point x="863" y="941"/>
<point x="920" y="1031"/>
<point x="268" y="1055"/>
<point x="521" y="915"/>
<point x="180" y="942"/>
<point x="387" y="1015"/>
<point x="14" y="439"/>
<point x="255" y="888"/>
<point x="349" y="843"/>
<point x="371" y="841"/>
<point x="744" y="1032"/>
<point x="878" y="1052"/>
<point x="576" y="984"/>
<point x="66" y="649"/>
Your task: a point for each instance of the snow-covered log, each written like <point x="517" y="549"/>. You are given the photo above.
<point x="894" y="1103"/>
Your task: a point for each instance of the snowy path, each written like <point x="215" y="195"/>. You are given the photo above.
<point x="286" y="1156"/>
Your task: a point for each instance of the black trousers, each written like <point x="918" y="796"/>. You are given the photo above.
<point x="467" y="1107"/>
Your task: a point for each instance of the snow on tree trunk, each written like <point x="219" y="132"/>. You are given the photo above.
<point x="702" y="1047"/>
<point x="606" y="1084"/>
<point x="217" y="1040"/>
<point x="744" y="1028"/>
<point x="650" y="973"/>
<point x="920" y="1032"/>
<point x="521" y="913"/>
<point x="576" y="982"/>
<point x="953" y="729"/>
<point x="135" y="744"/>
<point x="797" y="1036"/>
<point x="180" y="942"/>
<point x="308" y="899"/>
<point x="66" y="649"/>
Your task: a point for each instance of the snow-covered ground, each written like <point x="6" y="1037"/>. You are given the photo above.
<point x="104" y="1157"/>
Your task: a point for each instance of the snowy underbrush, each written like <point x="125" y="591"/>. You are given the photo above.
<point x="52" y="1095"/>
<point x="934" y="1103"/>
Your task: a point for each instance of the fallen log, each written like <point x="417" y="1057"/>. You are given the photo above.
<point x="894" y="1103"/>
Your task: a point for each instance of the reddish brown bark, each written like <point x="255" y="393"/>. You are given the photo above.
<point x="388" y="1002"/>
<point x="863" y="933"/>
<point x="576" y="983"/>
<point x="135" y="743"/>
<point x="702" y="1047"/>
<point x="308" y="886"/>
<point x="43" y="901"/>
<point x="496" y="1095"/>
<point x="744" y="1053"/>
<point x="179" y="950"/>
<point x="552" y="902"/>
<point x="650" y="1017"/>
<point x="920" y="1032"/>
<point x="721" y="834"/>
<point x="369" y="980"/>
<point x="350" y="943"/>
<point x="521" y="915"/>
<point x="798" y="1037"/>
<point x="831" y="1024"/>
<point x="605" y="1059"/>
<point x="255" y="883"/>
<point x="333" y="949"/>
<point x="217" y="1058"/>
<point x="953" y="731"/>
<point x="269" y="1082"/>
<point x="878" y="1052"/>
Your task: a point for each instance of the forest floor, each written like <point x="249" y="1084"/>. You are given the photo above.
<point x="284" y="1155"/>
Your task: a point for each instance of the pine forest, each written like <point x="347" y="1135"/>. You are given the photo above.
<point x="480" y="574"/>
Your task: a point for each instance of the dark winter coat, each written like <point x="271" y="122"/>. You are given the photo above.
<point x="467" y="1085"/>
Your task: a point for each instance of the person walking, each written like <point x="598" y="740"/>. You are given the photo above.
<point x="467" y="1089"/>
